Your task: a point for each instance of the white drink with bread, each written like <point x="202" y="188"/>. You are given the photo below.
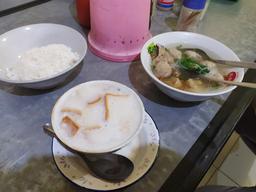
<point x="97" y="116"/>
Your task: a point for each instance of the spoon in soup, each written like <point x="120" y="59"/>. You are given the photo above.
<point x="241" y="64"/>
<point x="193" y="66"/>
<point x="108" y="166"/>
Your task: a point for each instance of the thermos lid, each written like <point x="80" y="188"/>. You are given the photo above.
<point x="194" y="4"/>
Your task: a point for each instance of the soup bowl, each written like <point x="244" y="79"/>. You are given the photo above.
<point x="110" y="134"/>
<point x="212" y="47"/>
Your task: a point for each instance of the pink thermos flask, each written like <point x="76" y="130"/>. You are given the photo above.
<point x="119" y="28"/>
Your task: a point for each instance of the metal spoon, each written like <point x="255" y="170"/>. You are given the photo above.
<point x="108" y="166"/>
<point x="241" y="64"/>
<point x="240" y="84"/>
<point x="229" y="63"/>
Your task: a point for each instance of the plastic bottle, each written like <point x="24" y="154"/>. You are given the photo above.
<point x="83" y="12"/>
<point x="190" y="15"/>
<point x="165" y="5"/>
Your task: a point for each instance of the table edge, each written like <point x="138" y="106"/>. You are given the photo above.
<point x="207" y="147"/>
<point x="21" y="7"/>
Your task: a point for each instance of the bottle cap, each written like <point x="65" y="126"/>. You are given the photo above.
<point x="194" y="4"/>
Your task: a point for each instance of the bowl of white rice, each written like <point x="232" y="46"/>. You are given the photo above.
<point x="40" y="56"/>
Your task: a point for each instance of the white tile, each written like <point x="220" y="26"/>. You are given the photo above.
<point x="212" y="170"/>
<point x="220" y="179"/>
<point x="240" y="165"/>
<point x="226" y="150"/>
<point x="252" y="173"/>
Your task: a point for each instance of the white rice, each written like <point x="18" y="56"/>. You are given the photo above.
<point x="42" y="62"/>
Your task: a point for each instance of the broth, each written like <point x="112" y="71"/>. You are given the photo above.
<point x="166" y="68"/>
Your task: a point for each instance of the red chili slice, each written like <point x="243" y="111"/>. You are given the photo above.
<point x="231" y="76"/>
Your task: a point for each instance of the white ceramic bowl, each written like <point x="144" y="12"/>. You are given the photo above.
<point x="59" y="104"/>
<point x="17" y="41"/>
<point x="212" y="47"/>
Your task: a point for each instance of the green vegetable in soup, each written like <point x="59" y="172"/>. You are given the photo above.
<point x="191" y="65"/>
<point x="153" y="50"/>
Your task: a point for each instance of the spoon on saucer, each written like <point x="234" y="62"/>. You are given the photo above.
<point x="108" y="166"/>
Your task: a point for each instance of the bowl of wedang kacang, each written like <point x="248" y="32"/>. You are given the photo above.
<point x="181" y="72"/>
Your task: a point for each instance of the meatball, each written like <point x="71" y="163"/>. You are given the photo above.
<point x="214" y="72"/>
<point x="175" y="53"/>
<point x="164" y="55"/>
<point x="195" y="84"/>
<point x="210" y="65"/>
<point x="162" y="70"/>
<point x="193" y="55"/>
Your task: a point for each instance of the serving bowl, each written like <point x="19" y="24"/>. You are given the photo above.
<point x="17" y="41"/>
<point x="103" y="147"/>
<point x="212" y="47"/>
